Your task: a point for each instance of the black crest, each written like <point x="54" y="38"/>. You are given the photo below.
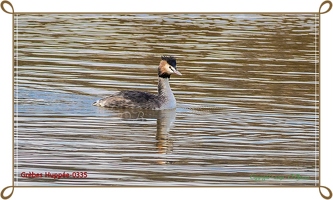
<point x="170" y="60"/>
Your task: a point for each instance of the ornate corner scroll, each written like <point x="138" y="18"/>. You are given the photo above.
<point x="9" y="195"/>
<point x="329" y="192"/>
<point x="322" y="4"/>
<point x="4" y="9"/>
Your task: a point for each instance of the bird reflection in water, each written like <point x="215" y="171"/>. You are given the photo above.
<point x="164" y="122"/>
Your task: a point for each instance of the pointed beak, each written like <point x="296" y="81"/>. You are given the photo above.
<point x="177" y="72"/>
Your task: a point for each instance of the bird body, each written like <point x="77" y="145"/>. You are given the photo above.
<point x="164" y="99"/>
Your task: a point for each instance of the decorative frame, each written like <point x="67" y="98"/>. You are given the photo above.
<point x="12" y="187"/>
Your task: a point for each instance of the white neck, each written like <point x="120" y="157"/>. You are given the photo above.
<point x="165" y="93"/>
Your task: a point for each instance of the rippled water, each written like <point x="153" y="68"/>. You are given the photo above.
<point x="247" y="103"/>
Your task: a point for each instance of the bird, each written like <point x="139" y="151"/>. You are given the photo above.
<point x="133" y="99"/>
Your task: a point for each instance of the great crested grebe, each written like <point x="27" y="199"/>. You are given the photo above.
<point x="144" y="100"/>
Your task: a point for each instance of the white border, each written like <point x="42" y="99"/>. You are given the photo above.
<point x="167" y="6"/>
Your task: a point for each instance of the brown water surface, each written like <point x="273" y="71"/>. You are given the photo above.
<point x="247" y="103"/>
